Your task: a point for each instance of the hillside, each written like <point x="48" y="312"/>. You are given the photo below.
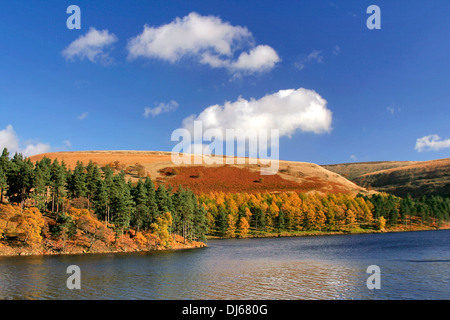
<point x="416" y="178"/>
<point x="292" y="176"/>
<point x="356" y="169"/>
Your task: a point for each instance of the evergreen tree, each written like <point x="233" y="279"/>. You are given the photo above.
<point x="58" y="176"/>
<point x="41" y="182"/>
<point x="77" y="182"/>
<point x="19" y="179"/>
<point x="141" y="213"/>
<point x="93" y="177"/>
<point x="101" y="201"/>
<point x="122" y="205"/>
<point x="4" y="168"/>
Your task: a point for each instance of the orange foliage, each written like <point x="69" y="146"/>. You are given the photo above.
<point x="231" y="179"/>
<point x="25" y="225"/>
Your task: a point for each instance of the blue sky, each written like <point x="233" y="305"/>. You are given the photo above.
<point x="384" y="89"/>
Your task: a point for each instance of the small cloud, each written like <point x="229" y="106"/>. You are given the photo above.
<point x="10" y="140"/>
<point x="79" y="84"/>
<point x="160" y="108"/>
<point x="83" y="116"/>
<point x="91" y="46"/>
<point x="353" y="157"/>
<point x="315" y="55"/>
<point x="431" y="143"/>
<point x="336" y="50"/>
<point x="67" y="143"/>
<point x="333" y="5"/>
<point x="393" y="109"/>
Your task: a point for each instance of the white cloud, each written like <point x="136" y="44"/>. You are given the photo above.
<point x="83" y="115"/>
<point x="315" y="55"/>
<point x="91" y="46"/>
<point x="161" y="108"/>
<point x="286" y="110"/>
<point x="10" y="140"/>
<point x="32" y="149"/>
<point x="393" y="109"/>
<point x="336" y="50"/>
<point x="208" y="39"/>
<point x="353" y="157"/>
<point x="258" y="59"/>
<point x="431" y="143"/>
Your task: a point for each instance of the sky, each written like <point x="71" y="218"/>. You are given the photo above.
<point x="136" y="71"/>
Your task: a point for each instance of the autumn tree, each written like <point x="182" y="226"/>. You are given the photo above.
<point x="231" y="226"/>
<point x="243" y="227"/>
<point x="161" y="228"/>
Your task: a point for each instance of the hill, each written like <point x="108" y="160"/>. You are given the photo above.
<point x="356" y="169"/>
<point x="400" y="178"/>
<point x="291" y="176"/>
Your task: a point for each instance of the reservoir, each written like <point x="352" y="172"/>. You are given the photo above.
<point x="413" y="265"/>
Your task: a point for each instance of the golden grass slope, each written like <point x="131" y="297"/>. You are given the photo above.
<point x="296" y="175"/>
<point x="416" y="178"/>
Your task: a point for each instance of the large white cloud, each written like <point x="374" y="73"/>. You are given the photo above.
<point x="10" y="140"/>
<point x="91" y="46"/>
<point x="286" y="110"/>
<point x="208" y="39"/>
<point x="431" y="143"/>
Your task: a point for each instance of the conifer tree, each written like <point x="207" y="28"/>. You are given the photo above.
<point x="4" y="168"/>
<point x="58" y="176"/>
<point x="77" y="182"/>
<point x="93" y="177"/>
<point x="19" y="179"/>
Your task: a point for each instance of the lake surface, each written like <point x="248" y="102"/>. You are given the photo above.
<point x="414" y="265"/>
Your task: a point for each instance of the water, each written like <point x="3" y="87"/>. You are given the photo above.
<point x="414" y="265"/>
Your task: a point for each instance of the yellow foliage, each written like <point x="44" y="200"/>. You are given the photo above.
<point x="26" y="224"/>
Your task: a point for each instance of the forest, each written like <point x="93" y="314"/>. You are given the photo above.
<point x="47" y="204"/>
<point x="92" y="202"/>
<point x="235" y="215"/>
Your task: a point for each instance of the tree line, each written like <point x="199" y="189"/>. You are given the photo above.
<point x="52" y="187"/>
<point x="231" y="215"/>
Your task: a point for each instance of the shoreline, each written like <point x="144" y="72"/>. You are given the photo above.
<point x="327" y="233"/>
<point x="21" y="252"/>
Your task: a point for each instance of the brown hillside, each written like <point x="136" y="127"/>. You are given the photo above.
<point x="415" y="178"/>
<point x="291" y="176"/>
<point x="356" y="169"/>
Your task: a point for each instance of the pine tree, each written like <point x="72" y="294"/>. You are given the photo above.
<point x="77" y="182"/>
<point x="122" y="204"/>
<point x="101" y="201"/>
<point x="162" y="199"/>
<point x="141" y="213"/>
<point x="4" y="168"/>
<point x="41" y="182"/>
<point x="19" y="179"/>
<point x="93" y="177"/>
<point x="58" y="176"/>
